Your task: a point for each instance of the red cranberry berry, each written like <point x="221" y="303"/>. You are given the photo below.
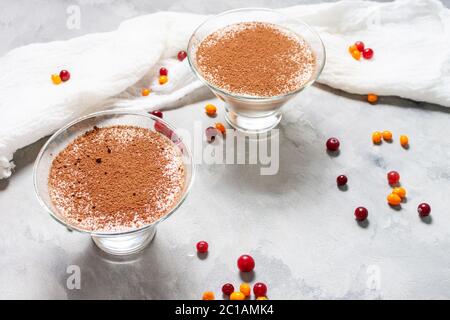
<point x="202" y="246"/>
<point x="163" y="71"/>
<point x="393" y="177"/>
<point x="333" y="144"/>
<point x="424" y="209"/>
<point x="359" y="45"/>
<point x="157" y="113"/>
<point x="260" y="289"/>
<point x="341" y="180"/>
<point x="368" y="53"/>
<point x="182" y="55"/>
<point x="64" y="75"/>
<point x="227" y="289"/>
<point x="361" y="213"/>
<point x="246" y="263"/>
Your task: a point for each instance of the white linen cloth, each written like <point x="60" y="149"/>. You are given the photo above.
<point x="411" y="40"/>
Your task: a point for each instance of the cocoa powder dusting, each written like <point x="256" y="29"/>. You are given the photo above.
<point x="116" y="178"/>
<point x="256" y="59"/>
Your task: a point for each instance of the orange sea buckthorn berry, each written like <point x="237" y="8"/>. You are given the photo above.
<point x="208" y="295"/>
<point x="400" y="191"/>
<point x="56" y="79"/>
<point x="372" y="98"/>
<point x="404" y="140"/>
<point x="352" y="48"/>
<point x="237" y="296"/>
<point x="163" y="79"/>
<point x="356" y="54"/>
<point x="394" y="199"/>
<point x="219" y="126"/>
<point x="210" y="110"/>
<point x="145" y="92"/>
<point x="376" y="137"/>
<point x="261" y="298"/>
<point x="245" y="289"/>
<point x="387" y="135"/>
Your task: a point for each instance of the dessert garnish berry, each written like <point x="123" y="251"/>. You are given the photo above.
<point x="64" y="75"/>
<point x="341" y="180"/>
<point x="246" y="263"/>
<point x="163" y="71"/>
<point x="260" y="289"/>
<point x="202" y="246"/>
<point x="333" y="144"/>
<point x="145" y="92"/>
<point x="182" y="55"/>
<point x="210" y="110"/>
<point x="245" y="289"/>
<point x="424" y="209"/>
<point x="393" y="177"/>
<point x="157" y="113"/>
<point x="227" y="289"/>
<point x="163" y="79"/>
<point x="394" y="199"/>
<point x="361" y="213"/>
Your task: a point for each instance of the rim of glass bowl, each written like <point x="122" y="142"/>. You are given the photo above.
<point x="248" y="97"/>
<point x="93" y="115"/>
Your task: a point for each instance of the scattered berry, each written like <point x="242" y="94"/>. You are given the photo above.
<point x="400" y="191"/>
<point x="237" y="296"/>
<point x="208" y="295"/>
<point x="356" y="54"/>
<point x="368" y="53"/>
<point x="246" y="263"/>
<point x="163" y="79"/>
<point x="221" y="128"/>
<point x="163" y="71"/>
<point x="393" y="177"/>
<point x="211" y="134"/>
<point x="387" y="135"/>
<point x="202" y="246"/>
<point x="56" y="79"/>
<point x="145" y="92"/>
<point x="404" y="140"/>
<point x="372" y="98"/>
<point x="157" y="113"/>
<point x="260" y="289"/>
<point x="245" y="289"/>
<point x="341" y="180"/>
<point x="424" y="209"/>
<point x="394" y="199"/>
<point x="333" y="144"/>
<point x="182" y="55"/>
<point x="261" y="298"/>
<point x="227" y="289"/>
<point x="352" y="48"/>
<point x="359" y="45"/>
<point x="361" y="213"/>
<point x="210" y="110"/>
<point x="64" y="75"/>
<point x="376" y="137"/>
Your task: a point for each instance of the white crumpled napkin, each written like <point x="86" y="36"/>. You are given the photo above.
<point x="410" y="38"/>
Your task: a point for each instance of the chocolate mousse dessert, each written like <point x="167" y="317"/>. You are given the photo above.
<point x="256" y="59"/>
<point x="116" y="178"/>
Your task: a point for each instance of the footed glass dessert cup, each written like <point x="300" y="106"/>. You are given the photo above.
<point x="252" y="114"/>
<point x="121" y="242"/>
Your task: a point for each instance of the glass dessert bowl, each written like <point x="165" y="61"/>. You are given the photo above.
<point x="129" y="239"/>
<point x="254" y="113"/>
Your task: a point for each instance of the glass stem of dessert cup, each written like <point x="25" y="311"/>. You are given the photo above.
<point x="126" y="244"/>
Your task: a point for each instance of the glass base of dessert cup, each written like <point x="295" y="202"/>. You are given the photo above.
<point x="115" y="242"/>
<point x="252" y="125"/>
<point x="127" y="244"/>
